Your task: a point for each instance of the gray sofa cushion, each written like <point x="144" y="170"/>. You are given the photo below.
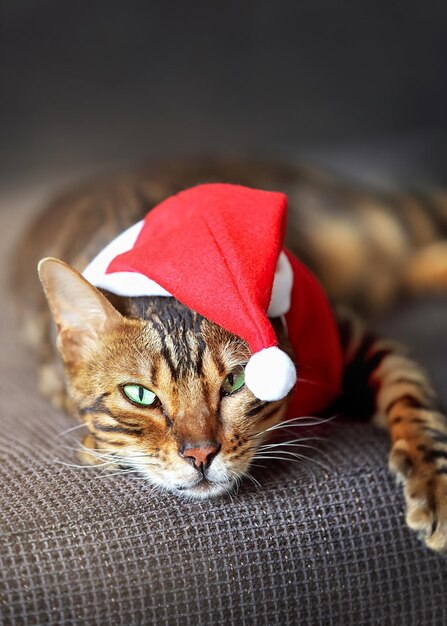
<point x="312" y="545"/>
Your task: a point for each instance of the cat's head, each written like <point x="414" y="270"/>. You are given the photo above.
<point x="160" y="388"/>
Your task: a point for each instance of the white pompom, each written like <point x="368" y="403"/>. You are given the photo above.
<point x="270" y="374"/>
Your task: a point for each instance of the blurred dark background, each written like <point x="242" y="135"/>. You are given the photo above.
<point x="358" y="87"/>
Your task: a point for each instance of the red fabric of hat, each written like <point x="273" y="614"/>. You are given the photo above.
<point x="216" y="248"/>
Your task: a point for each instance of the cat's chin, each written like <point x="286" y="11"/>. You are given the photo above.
<point x="204" y="490"/>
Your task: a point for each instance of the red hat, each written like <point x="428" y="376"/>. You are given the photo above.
<point x="218" y="249"/>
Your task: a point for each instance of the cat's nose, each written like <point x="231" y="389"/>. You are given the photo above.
<point x="200" y="454"/>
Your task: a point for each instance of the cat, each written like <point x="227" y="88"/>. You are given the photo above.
<point x="365" y="248"/>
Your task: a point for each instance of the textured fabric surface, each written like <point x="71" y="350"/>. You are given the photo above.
<point x="319" y="543"/>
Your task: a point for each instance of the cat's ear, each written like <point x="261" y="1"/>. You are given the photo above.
<point x="80" y="311"/>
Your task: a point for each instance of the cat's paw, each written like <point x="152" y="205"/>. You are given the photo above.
<point x="424" y="479"/>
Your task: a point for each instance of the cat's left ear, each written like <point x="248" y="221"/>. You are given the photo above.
<point x="80" y="311"/>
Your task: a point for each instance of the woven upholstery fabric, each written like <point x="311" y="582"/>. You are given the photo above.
<point x="323" y="542"/>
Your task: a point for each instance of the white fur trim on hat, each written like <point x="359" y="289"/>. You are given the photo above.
<point x="270" y="374"/>
<point x="129" y="284"/>
<point x="282" y="288"/>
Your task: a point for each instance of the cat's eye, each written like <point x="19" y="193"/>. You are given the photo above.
<point x="234" y="381"/>
<point x="139" y="394"/>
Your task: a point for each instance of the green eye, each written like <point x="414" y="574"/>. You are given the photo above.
<point x="139" y="395"/>
<point x="234" y="381"/>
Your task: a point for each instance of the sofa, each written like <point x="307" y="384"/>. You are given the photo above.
<point x="319" y="542"/>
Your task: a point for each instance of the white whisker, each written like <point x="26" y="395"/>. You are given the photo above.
<point x="140" y="476"/>
<point x="287" y="453"/>
<point x="256" y="465"/>
<point x="69" y="430"/>
<point x="253" y="480"/>
<point x="292" y="442"/>
<point x="274" y="458"/>
<point x="300" y="421"/>
<point x="290" y="456"/>
<point x="123" y="472"/>
<point x="74" y="465"/>
<point x="237" y="480"/>
<point x="232" y="492"/>
<point x="278" y="447"/>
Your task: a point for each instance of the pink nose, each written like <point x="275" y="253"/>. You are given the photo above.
<point x="200" y="455"/>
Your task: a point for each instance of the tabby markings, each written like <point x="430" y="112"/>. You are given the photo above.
<point x="118" y="429"/>
<point x="98" y="406"/>
<point x="258" y="406"/>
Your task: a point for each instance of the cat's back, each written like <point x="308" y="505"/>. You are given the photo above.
<point x="78" y="223"/>
<point x="334" y="227"/>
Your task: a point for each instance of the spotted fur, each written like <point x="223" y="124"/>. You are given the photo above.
<point x="365" y="247"/>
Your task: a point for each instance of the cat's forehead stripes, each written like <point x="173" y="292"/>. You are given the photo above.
<point x="154" y="369"/>
<point x="179" y="334"/>
<point x="183" y="341"/>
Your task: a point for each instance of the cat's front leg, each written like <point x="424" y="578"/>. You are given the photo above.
<point x="419" y="460"/>
<point x="404" y="404"/>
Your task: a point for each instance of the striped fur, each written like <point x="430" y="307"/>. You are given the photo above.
<point x="380" y="374"/>
<point x="366" y="248"/>
<point x="183" y="358"/>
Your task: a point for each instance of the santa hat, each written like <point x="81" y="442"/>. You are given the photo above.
<point x="218" y="249"/>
